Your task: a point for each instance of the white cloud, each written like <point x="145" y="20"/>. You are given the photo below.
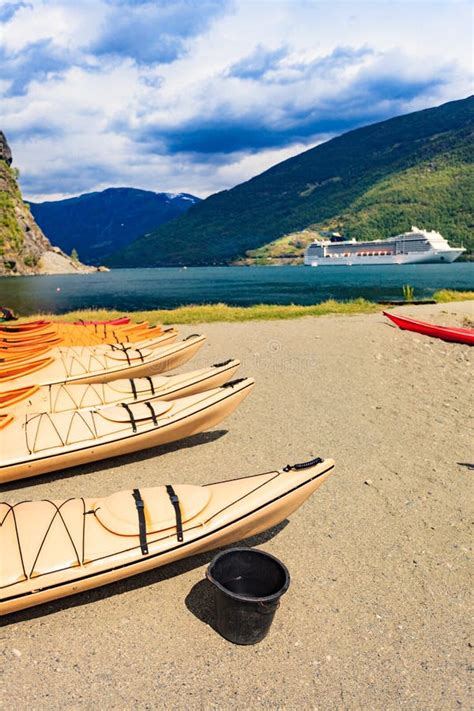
<point x="87" y="120"/>
<point x="68" y="25"/>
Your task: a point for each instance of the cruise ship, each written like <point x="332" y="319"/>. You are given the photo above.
<point x="413" y="247"/>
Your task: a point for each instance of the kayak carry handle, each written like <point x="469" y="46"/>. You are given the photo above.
<point x="231" y="383"/>
<point x="193" y="335"/>
<point x="303" y="465"/>
<point x="221" y="365"/>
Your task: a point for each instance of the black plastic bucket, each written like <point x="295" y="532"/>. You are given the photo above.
<point x="248" y="586"/>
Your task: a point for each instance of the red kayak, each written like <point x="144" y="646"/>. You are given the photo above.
<point x="122" y="321"/>
<point x="447" y="333"/>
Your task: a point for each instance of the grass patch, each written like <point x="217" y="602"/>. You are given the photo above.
<point x="443" y="296"/>
<point x="209" y="313"/>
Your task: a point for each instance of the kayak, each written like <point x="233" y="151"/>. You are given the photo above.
<point x="120" y="321"/>
<point x="32" y="325"/>
<point x="446" y="333"/>
<point x="34" y="444"/>
<point x="63" y="397"/>
<point x="22" y="354"/>
<point x="85" y="353"/>
<point x="52" y="549"/>
<point x="49" y="327"/>
<point x="72" y="335"/>
<point x="46" y="333"/>
<point x="28" y="326"/>
<point x="101" y="364"/>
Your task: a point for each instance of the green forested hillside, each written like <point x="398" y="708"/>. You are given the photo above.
<point x="436" y="197"/>
<point x="371" y="182"/>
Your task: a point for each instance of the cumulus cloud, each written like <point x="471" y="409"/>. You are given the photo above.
<point x="259" y="63"/>
<point x="153" y="32"/>
<point x="280" y="67"/>
<point x="186" y="96"/>
<point x="8" y="9"/>
<point x="328" y="95"/>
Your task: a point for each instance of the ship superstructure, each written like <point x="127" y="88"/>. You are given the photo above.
<point x="414" y="247"/>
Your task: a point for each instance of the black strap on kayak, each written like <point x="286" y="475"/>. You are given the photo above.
<point x="134" y="388"/>
<point x="150" y="380"/>
<point x="131" y="415"/>
<point x="221" y="365"/>
<point x="231" y="383"/>
<point x="303" y="465"/>
<point x="123" y="348"/>
<point x="139" y="503"/>
<point x="140" y="354"/>
<point x="153" y="413"/>
<point x="175" y="501"/>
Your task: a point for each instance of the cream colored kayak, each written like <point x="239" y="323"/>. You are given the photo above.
<point x="51" y="549"/>
<point x="102" y="363"/>
<point x="77" y="396"/>
<point x="45" y="442"/>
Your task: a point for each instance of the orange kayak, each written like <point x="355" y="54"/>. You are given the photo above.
<point x="66" y="334"/>
<point x="13" y="356"/>
<point x="60" y="353"/>
<point x="33" y="325"/>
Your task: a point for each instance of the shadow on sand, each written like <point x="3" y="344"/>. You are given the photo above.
<point x="198" y="601"/>
<point x="105" y="464"/>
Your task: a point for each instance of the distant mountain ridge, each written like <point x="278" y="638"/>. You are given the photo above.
<point x="371" y="182"/>
<point x="99" y="223"/>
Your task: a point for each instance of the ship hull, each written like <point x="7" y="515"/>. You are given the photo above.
<point x="445" y="257"/>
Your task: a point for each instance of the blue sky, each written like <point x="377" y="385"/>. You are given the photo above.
<point x="199" y="95"/>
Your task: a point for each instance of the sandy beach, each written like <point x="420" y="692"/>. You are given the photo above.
<point x="376" y="616"/>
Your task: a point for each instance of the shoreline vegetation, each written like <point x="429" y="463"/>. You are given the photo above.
<point x="209" y="313"/>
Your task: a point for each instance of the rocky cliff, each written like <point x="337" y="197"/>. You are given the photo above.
<point x="24" y="249"/>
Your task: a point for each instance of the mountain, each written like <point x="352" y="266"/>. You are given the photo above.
<point x="23" y="247"/>
<point x="96" y="224"/>
<point x="371" y="182"/>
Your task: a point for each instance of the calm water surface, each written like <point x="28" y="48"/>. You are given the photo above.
<point x="140" y="289"/>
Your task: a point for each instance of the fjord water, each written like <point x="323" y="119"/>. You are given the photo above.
<point x="143" y="289"/>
